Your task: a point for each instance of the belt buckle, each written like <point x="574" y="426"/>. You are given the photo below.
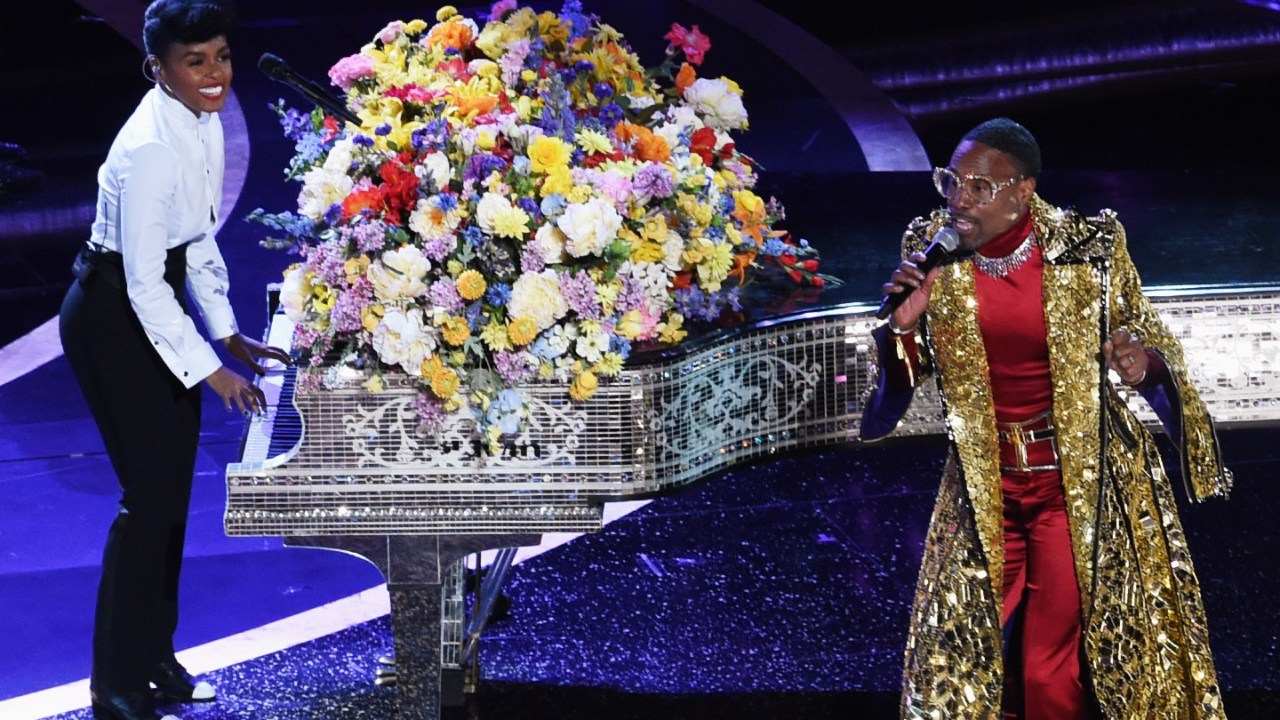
<point x="1018" y="437"/>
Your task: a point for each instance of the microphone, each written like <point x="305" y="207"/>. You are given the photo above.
<point x="276" y="69"/>
<point x="945" y="241"/>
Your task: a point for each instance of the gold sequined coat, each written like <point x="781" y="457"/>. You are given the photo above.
<point x="1145" y="638"/>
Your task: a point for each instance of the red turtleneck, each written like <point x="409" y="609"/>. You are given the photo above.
<point x="1011" y="318"/>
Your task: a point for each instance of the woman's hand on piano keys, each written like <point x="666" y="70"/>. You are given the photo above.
<point x="250" y="352"/>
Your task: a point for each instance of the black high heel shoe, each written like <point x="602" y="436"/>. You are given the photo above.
<point x="175" y="685"/>
<point x="125" y="706"/>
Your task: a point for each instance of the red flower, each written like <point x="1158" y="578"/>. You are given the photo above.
<point x="703" y="143"/>
<point x="692" y="42"/>
<point x="399" y="191"/>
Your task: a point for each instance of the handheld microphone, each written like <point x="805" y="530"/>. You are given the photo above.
<point x="945" y="241"/>
<point x="276" y="69"/>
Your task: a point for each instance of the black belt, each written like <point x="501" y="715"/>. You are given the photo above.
<point x="93" y="264"/>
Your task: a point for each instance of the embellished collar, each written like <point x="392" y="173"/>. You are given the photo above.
<point x="1013" y="247"/>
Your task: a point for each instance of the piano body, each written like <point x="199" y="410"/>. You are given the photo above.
<point x="352" y="473"/>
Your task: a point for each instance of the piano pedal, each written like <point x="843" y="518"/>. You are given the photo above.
<point x="385" y="675"/>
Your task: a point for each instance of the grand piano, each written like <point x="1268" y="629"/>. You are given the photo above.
<point x="357" y="477"/>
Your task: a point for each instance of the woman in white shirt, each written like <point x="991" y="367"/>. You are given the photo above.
<point x="137" y="355"/>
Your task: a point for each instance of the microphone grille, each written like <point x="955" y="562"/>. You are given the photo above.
<point x="947" y="238"/>
<point x="270" y="64"/>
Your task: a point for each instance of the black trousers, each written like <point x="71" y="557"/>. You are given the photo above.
<point x="150" y="425"/>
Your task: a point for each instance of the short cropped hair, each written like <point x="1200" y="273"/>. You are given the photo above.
<point x="184" y="21"/>
<point x="1011" y="139"/>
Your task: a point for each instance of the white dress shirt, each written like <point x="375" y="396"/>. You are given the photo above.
<point x="161" y="187"/>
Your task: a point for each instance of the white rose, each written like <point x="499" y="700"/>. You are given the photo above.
<point x="294" y="292"/>
<point x="490" y="209"/>
<point x="430" y="221"/>
<point x="340" y="156"/>
<point x="550" y="243"/>
<point x="537" y="296"/>
<point x="320" y="190"/>
<point x="720" y="107"/>
<point x="436" y="167"/>
<point x="402" y="338"/>
<point x="589" y="226"/>
<point x="400" y="274"/>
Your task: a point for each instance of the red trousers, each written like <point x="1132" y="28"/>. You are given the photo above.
<point x="1040" y="584"/>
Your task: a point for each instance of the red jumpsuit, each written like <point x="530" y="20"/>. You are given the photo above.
<point x="1042" y="661"/>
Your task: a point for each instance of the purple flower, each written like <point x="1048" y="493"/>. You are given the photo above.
<point x="579" y="292"/>
<point x="654" y="180"/>
<point x="431" y="413"/>
<point x="531" y="260"/>
<point x="444" y="295"/>
<point x="630" y="295"/>
<point x="512" y="367"/>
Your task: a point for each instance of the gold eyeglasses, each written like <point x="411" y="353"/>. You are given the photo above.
<point x="980" y="188"/>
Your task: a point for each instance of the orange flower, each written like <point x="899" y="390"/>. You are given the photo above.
<point x="361" y="200"/>
<point x="478" y="105"/>
<point x="646" y="145"/>
<point x="450" y="35"/>
<point x="741" y="262"/>
<point x="685" y="77"/>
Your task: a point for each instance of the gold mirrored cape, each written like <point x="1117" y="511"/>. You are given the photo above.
<point x="1146" y="642"/>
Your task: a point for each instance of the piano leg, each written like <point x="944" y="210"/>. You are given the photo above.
<point x="415" y="567"/>
<point x="415" y="621"/>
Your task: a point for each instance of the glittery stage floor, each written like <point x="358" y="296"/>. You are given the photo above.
<point x="774" y="590"/>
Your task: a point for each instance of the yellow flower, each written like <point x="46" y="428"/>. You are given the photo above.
<point x="322" y="298"/>
<point x="445" y="383"/>
<point x="374" y="384"/>
<point x="610" y="365"/>
<point x="471" y="285"/>
<point x="593" y="141"/>
<point x="546" y="152"/>
<point x="371" y="317"/>
<point x="455" y="330"/>
<point x="494" y="336"/>
<point x="355" y="268"/>
<point x="607" y="294"/>
<point x="522" y="330"/>
<point x="578" y="194"/>
<point x="584" y="386"/>
<point x="715" y="265"/>
<point x="631" y="324"/>
<point x="671" y="331"/>
<point x="413" y="27"/>
<point x="559" y="181"/>
<point x="445" y="12"/>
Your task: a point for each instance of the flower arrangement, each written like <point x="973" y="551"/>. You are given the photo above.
<point x="522" y="201"/>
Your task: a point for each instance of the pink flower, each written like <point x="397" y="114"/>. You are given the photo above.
<point x="692" y="42"/>
<point x="349" y="69"/>
<point x="501" y="8"/>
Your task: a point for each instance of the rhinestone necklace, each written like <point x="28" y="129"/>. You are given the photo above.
<point x="1001" y="266"/>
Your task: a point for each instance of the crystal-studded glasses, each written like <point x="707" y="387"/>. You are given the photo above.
<point x="980" y="188"/>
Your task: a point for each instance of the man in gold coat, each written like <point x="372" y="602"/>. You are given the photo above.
<point x="1056" y="581"/>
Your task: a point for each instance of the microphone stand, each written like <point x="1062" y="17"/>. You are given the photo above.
<point x="276" y="69"/>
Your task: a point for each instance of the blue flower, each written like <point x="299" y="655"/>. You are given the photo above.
<point x="498" y="294"/>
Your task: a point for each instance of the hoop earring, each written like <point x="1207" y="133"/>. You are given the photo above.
<point x="149" y="65"/>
